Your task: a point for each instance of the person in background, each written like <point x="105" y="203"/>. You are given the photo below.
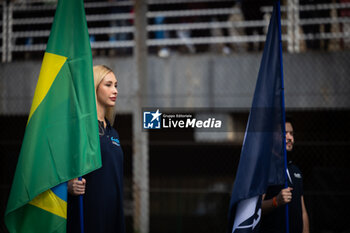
<point x="314" y="29"/>
<point x="251" y="10"/>
<point x="276" y="197"/>
<point x="344" y="27"/>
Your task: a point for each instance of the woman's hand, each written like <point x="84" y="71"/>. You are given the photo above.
<point x="76" y="187"/>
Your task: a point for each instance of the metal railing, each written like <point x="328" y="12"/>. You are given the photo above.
<point x="26" y="26"/>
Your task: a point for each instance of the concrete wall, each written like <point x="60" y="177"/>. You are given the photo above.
<point x="312" y="80"/>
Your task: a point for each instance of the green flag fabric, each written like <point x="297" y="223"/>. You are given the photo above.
<point x="61" y="140"/>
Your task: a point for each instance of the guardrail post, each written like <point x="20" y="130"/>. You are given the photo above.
<point x="140" y="138"/>
<point x="290" y="26"/>
<point x="9" y="32"/>
<point x="4" y="31"/>
<point x="296" y="26"/>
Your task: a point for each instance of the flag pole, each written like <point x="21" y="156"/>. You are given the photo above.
<point x="81" y="210"/>
<point x="283" y="108"/>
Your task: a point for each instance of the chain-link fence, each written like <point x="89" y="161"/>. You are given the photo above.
<point x="202" y="55"/>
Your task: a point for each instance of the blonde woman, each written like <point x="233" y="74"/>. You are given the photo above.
<point x="102" y="188"/>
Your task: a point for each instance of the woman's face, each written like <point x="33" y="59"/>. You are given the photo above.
<point x="107" y="91"/>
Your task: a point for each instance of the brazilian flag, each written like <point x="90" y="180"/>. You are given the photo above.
<point x="61" y="140"/>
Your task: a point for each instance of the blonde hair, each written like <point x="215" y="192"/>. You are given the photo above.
<point x="100" y="71"/>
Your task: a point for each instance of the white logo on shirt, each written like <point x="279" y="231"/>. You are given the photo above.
<point x="297" y="175"/>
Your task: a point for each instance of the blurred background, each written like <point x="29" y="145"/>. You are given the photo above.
<point x="196" y="55"/>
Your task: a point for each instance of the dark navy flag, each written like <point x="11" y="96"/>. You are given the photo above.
<point x="262" y="156"/>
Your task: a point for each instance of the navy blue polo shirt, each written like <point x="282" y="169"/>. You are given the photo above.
<point x="103" y="199"/>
